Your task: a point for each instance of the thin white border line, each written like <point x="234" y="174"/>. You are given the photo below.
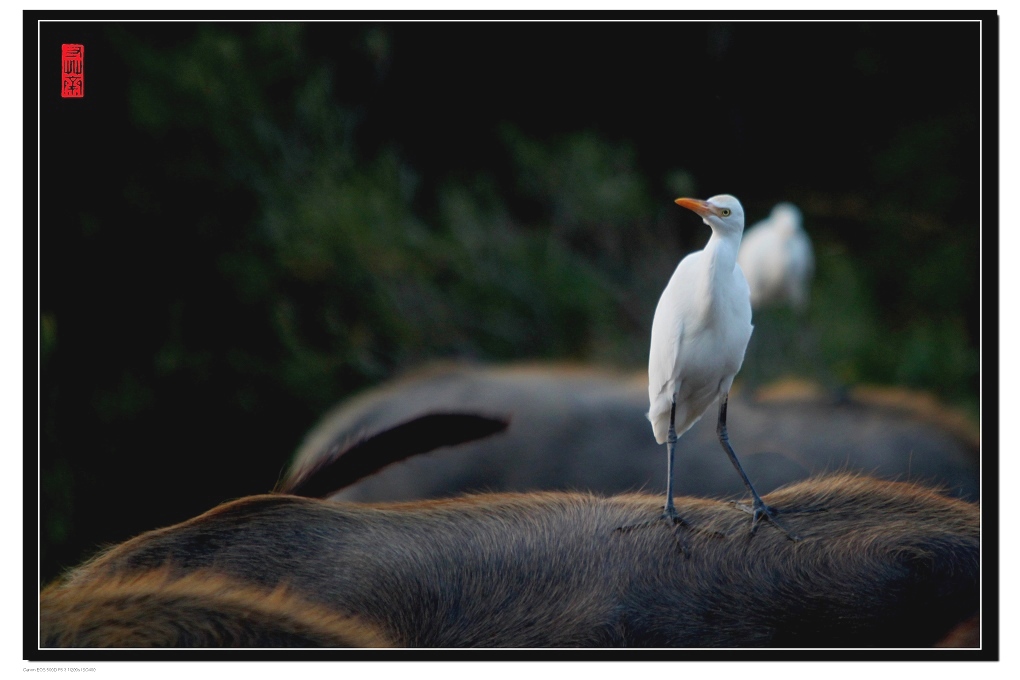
<point x="650" y="20"/>
<point x="981" y="467"/>
<point x="38" y="332"/>
<point x="39" y="129"/>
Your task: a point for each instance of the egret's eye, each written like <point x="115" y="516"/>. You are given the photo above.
<point x="725" y="212"/>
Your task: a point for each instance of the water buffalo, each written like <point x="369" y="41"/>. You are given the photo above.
<point x="878" y="564"/>
<point x="578" y="428"/>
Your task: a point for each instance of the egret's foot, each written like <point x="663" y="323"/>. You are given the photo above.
<point x="672" y="519"/>
<point x="760" y="511"/>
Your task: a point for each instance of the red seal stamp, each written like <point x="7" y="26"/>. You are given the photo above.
<point x="72" y="71"/>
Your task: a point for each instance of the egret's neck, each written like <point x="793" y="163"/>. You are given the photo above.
<point x="722" y="257"/>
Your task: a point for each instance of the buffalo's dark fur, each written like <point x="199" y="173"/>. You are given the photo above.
<point x="880" y="564"/>
<point x="577" y="428"/>
<point x="156" y="608"/>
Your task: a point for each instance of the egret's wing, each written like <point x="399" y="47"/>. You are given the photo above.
<point x="664" y="354"/>
<point x="807" y="255"/>
<point x="663" y="370"/>
<point x="801" y="267"/>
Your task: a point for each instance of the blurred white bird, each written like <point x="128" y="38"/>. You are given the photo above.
<point x="777" y="259"/>
<point x="700" y="331"/>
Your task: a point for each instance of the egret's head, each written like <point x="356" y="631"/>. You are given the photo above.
<point x="723" y="213"/>
<point x="787" y="215"/>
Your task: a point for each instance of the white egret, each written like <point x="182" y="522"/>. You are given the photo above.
<point x="777" y="259"/>
<point x="779" y="264"/>
<point x="700" y="331"/>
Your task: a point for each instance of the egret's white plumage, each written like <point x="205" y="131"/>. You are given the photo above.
<point x="700" y="332"/>
<point x="777" y="259"/>
<point x="702" y="323"/>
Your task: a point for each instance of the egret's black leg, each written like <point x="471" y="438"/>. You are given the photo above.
<point x="759" y="509"/>
<point x="669" y="513"/>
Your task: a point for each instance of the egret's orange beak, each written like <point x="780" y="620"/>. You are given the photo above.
<point x="703" y="208"/>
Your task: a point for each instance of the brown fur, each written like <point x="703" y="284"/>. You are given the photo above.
<point x="880" y="564"/>
<point x="911" y="403"/>
<point x="967" y="634"/>
<point x="157" y="608"/>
